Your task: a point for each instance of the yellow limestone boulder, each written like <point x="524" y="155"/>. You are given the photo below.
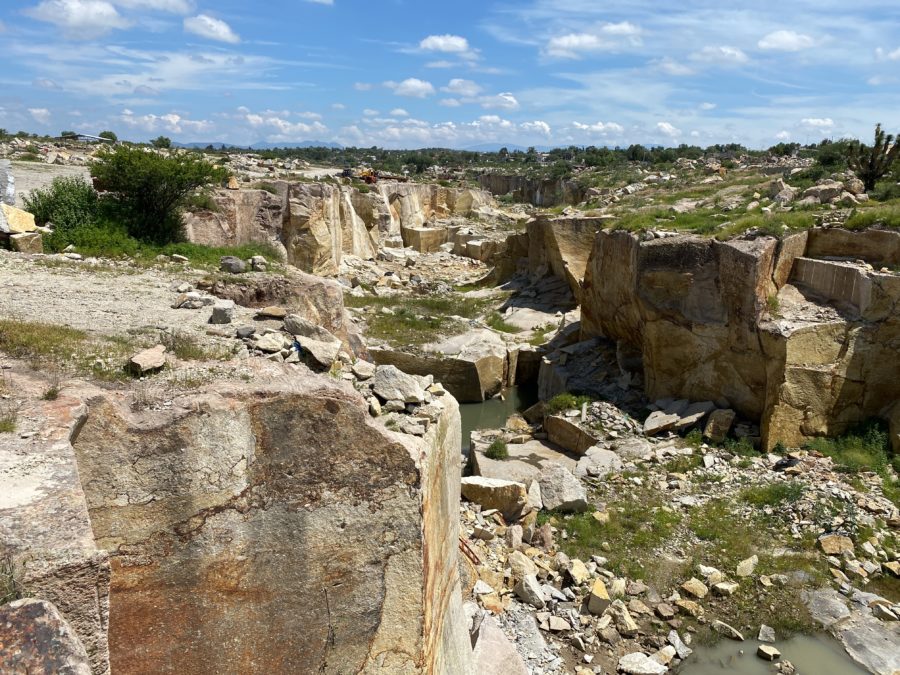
<point x="16" y="221"/>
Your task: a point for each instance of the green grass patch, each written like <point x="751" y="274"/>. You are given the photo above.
<point x="563" y="402"/>
<point x="694" y="438"/>
<point x="7" y="421"/>
<point x="864" y="448"/>
<point x="684" y="463"/>
<point x="496" y="321"/>
<point x="637" y="526"/>
<point x="774" y="494"/>
<point x="741" y="447"/>
<point x="497" y="450"/>
<point x="187" y="348"/>
<point x="887" y="215"/>
<point x="416" y="320"/>
<point x="39" y="341"/>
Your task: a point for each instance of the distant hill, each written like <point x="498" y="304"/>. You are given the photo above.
<point x="495" y="147"/>
<point x="261" y="145"/>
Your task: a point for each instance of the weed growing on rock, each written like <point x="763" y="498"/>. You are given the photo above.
<point x="10" y="588"/>
<point x="497" y="450"/>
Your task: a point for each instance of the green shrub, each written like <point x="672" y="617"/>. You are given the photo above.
<point x="148" y="189"/>
<point x="497" y="450"/>
<point x="104" y="239"/>
<point x="68" y="203"/>
<point x="886" y="191"/>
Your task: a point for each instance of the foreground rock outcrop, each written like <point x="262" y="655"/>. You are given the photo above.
<point x="253" y="527"/>
<point x="274" y="528"/>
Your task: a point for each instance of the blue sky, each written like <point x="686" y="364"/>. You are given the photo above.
<point x="398" y="73"/>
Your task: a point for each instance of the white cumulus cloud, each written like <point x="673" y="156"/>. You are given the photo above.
<point x="399" y="112"/>
<point x="538" y="126"/>
<point x="883" y="54"/>
<point x="668" y="129"/>
<point x="449" y="44"/>
<point x="786" y="41"/>
<point x="820" y="123"/>
<point x="211" y="28"/>
<point x="79" y="19"/>
<point x="461" y="87"/>
<point x="173" y="6"/>
<point x="170" y="122"/>
<point x="600" y="127"/>
<point x="41" y="115"/>
<point x="411" y="86"/>
<point x="607" y="37"/>
<point x="504" y="100"/>
<point x="720" y="54"/>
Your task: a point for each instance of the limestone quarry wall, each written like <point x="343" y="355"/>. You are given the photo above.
<point x="314" y="224"/>
<point x="544" y="192"/>
<point x="699" y="312"/>
<point x="275" y="528"/>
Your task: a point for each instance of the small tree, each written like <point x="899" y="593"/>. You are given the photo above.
<point x="149" y="190"/>
<point x="161" y="142"/>
<point x="109" y="135"/>
<point x="69" y="134"/>
<point x="872" y="163"/>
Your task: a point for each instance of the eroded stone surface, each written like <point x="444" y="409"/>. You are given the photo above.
<point x="274" y="527"/>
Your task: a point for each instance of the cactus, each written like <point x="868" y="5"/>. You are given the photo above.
<point x="871" y="163"/>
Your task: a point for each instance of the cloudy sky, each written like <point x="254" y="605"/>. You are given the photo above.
<point x="399" y="73"/>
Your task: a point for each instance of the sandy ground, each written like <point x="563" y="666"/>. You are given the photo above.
<point x="31" y="175"/>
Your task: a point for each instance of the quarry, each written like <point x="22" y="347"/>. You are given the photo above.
<point x="499" y="424"/>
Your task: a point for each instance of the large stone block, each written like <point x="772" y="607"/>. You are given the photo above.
<point x="276" y="528"/>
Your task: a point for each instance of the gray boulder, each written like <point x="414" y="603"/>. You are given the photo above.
<point x="561" y="491"/>
<point x="222" y="312"/>
<point x="390" y="384"/>
<point x="298" y="326"/>
<point x="232" y="264"/>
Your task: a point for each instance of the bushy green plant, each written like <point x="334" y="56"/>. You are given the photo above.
<point x="148" y="189"/>
<point x="68" y="203"/>
<point x="497" y="450"/>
